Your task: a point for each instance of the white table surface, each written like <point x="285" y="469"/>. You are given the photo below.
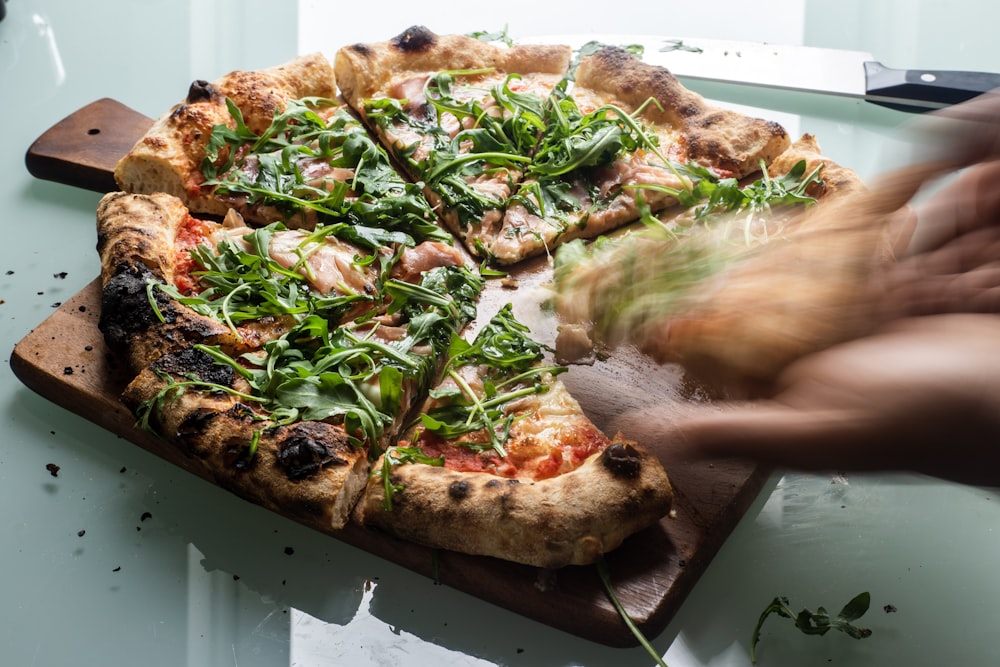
<point x="204" y="578"/>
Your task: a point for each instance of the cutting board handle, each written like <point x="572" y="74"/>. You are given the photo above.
<point x="82" y="149"/>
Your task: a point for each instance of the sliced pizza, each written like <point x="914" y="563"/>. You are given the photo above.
<point x="275" y="145"/>
<point x="460" y="115"/>
<point x="258" y="350"/>
<point x="502" y="461"/>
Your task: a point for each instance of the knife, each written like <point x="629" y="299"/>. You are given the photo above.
<point x="799" y="68"/>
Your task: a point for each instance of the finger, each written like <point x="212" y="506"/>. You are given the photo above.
<point x="969" y="201"/>
<point x="789" y="437"/>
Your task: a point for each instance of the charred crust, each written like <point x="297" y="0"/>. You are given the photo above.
<point x="200" y="91"/>
<point x="306" y="451"/>
<point x="458" y="490"/>
<point x="414" y="40"/>
<point x="361" y="49"/>
<point x="197" y="363"/>
<point x="622" y="460"/>
<point x="125" y="308"/>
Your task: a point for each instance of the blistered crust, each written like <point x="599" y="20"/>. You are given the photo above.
<point x="571" y="519"/>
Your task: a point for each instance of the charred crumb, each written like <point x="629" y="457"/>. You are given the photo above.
<point x="82" y="309"/>
<point x="145" y="516"/>
<point x="60" y="276"/>
<point x="53" y="469"/>
<point x="81" y="533"/>
<point x="117" y="569"/>
<point x="68" y="370"/>
<point x="289" y="551"/>
<point x="889" y="609"/>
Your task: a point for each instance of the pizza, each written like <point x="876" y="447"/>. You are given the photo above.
<point x="293" y="273"/>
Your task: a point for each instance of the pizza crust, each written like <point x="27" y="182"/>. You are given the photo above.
<point x="571" y="519"/>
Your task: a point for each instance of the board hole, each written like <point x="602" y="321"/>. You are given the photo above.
<point x="93" y="131"/>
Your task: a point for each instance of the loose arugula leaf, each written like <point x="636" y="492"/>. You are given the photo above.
<point x="602" y="572"/>
<point x="817" y="622"/>
<point x="678" y="45"/>
<point x="501" y="36"/>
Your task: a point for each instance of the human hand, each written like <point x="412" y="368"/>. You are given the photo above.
<point x="922" y="391"/>
<point x="920" y="394"/>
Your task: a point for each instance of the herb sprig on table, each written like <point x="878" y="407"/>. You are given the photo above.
<point x="817" y="622"/>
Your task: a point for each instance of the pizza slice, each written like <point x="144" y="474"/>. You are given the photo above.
<point x="275" y="145"/>
<point x="624" y="137"/>
<point x="460" y="115"/>
<point x="502" y="461"/>
<point x="278" y="359"/>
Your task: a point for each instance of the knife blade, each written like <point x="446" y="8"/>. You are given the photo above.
<point x="855" y="74"/>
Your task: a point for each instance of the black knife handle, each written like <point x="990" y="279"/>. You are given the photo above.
<point x="918" y="91"/>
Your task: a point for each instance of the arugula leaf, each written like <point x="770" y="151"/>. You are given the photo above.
<point x="346" y="374"/>
<point x="316" y="157"/>
<point x="818" y="622"/>
<point x="501" y="36"/>
<point x="508" y="362"/>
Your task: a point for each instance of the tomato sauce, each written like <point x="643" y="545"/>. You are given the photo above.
<point x="192" y="233"/>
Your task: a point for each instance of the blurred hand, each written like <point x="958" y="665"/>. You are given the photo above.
<point x="922" y="391"/>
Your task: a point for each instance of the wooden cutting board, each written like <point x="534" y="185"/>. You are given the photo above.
<point x="652" y="572"/>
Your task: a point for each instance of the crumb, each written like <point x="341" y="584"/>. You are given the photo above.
<point x="508" y="283"/>
<point x="53" y="469"/>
